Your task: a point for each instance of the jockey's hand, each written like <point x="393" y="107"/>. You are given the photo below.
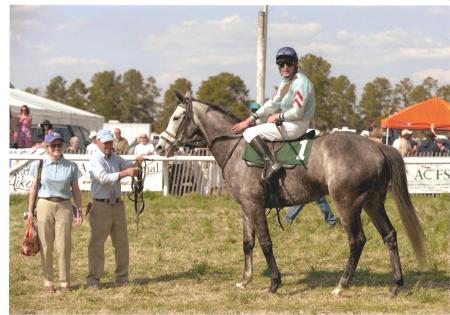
<point x="273" y="118"/>
<point x="140" y="158"/>
<point x="239" y="127"/>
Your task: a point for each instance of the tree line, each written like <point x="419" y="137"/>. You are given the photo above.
<point x="130" y="97"/>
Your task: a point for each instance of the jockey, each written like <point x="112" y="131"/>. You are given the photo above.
<point x="288" y="113"/>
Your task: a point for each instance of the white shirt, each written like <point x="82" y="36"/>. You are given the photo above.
<point x="145" y="149"/>
<point x="91" y="148"/>
<point x="396" y="144"/>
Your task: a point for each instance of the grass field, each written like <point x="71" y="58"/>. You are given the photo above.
<point x="188" y="257"/>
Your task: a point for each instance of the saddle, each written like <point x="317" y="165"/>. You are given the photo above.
<point x="289" y="153"/>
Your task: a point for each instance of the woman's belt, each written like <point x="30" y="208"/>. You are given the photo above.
<point x="55" y="199"/>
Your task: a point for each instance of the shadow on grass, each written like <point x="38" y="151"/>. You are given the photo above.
<point x="364" y="277"/>
<point x="197" y="272"/>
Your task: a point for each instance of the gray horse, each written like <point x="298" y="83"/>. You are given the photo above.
<point x="353" y="170"/>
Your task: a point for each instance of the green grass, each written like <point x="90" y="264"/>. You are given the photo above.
<point x="188" y="256"/>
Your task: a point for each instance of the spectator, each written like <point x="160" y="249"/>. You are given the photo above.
<point x="59" y="182"/>
<point x="254" y="108"/>
<point x="23" y="128"/>
<point x="144" y="147"/>
<point x="92" y="147"/>
<point x="403" y="144"/>
<point x="376" y="135"/>
<point x="365" y="133"/>
<point x="107" y="217"/>
<point x="323" y="205"/>
<point x="442" y="146"/>
<point x="120" y="144"/>
<point x="429" y="143"/>
<point x="74" y="146"/>
<point x="46" y="127"/>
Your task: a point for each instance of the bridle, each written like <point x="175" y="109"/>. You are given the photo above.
<point x="175" y="141"/>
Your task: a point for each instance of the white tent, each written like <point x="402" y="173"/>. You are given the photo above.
<point x="57" y="113"/>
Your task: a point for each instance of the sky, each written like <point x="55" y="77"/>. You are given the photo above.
<point x="197" y="41"/>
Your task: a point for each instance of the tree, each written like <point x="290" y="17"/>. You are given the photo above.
<point x="104" y="95"/>
<point x="340" y="100"/>
<point x="170" y="102"/>
<point x="318" y="70"/>
<point x="56" y="89"/>
<point x="32" y="90"/>
<point x="402" y="92"/>
<point x="426" y="90"/>
<point x="138" y="98"/>
<point x="376" y="101"/>
<point x="228" y="90"/>
<point x="444" y="92"/>
<point x="76" y="95"/>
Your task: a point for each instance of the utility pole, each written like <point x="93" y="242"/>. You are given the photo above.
<point x="261" y="55"/>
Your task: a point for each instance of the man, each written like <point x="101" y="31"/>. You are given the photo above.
<point x="107" y="216"/>
<point x="429" y="144"/>
<point x="92" y="147"/>
<point x="144" y="147"/>
<point x="321" y="203"/>
<point x="442" y="146"/>
<point x="404" y="143"/>
<point x="291" y="109"/>
<point x="120" y="143"/>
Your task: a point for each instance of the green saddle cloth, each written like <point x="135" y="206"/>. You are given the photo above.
<point x="289" y="153"/>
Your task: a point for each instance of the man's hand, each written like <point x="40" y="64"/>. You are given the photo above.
<point x="140" y="158"/>
<point x="273" y="118"/>
<point x="239" y="127"/>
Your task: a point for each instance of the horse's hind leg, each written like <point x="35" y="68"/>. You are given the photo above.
<point x="356" y="239"/>
<point x="248" y="245"/>
<point x="377" y="214"/>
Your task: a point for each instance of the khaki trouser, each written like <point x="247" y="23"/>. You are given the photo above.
<point x="55" y="227"/>
<point x="108" y="219"/>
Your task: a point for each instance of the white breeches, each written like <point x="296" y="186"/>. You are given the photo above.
<point x="287" y="131"/>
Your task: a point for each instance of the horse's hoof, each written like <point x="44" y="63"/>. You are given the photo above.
<point x="393" y="291"/>
<point x="241" y="285"/>
<point x="338" y="291"/>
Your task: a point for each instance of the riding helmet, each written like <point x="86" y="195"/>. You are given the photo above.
<point x="286" y="54"/>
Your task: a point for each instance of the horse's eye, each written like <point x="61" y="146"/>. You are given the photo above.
<point x="176" y="118"/>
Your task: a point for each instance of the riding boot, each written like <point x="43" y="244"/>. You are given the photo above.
<point x="270" y="162"/>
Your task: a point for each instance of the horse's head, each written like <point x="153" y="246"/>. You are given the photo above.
<point x="180" y="129"/>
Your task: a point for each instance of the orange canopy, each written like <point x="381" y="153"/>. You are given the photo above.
<point x="421" y="115"/>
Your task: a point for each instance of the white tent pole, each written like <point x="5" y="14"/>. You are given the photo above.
<point x="387" y="135"/>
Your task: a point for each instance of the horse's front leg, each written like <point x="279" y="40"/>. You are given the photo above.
<point x="248" y="245"/>
<point x="262" y="231"/>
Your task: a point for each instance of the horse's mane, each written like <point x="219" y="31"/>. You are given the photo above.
<point x="219" y="108"/>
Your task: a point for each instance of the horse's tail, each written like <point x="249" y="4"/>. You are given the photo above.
<point x="407" y="212"/>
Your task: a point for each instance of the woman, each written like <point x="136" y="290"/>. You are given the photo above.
<point x="59" y="182"/>
<point x="74" y="145"/>
<point x="288" y="113"/>
<point x="23" y="128"/>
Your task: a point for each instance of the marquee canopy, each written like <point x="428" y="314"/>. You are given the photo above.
<point x="421" y="115"/>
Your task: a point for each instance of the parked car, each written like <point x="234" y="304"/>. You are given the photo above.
<point x="67" y="131"/>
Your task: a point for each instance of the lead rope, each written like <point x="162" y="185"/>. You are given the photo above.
<point x="137" y="192"/>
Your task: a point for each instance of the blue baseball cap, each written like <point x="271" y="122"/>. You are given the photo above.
<point x="254" y="105"/>
<point x="105" y="135"/>
<point x="52" y="136"/>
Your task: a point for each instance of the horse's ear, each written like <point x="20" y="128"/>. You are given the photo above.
<point x="188" y="96"/>
<point x="179" y="96"/>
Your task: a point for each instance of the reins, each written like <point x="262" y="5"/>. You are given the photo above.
<point x="137" y="191"/>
